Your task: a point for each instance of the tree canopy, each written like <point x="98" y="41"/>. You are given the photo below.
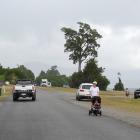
<point x="12" y="74"/>
<point x="81" y="44"/>
<point x="119" y="86"/>
<point x="53" y="75"/>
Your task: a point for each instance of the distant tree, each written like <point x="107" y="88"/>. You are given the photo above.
<point x="1" y="67"/>
<point x="82" y="43"/>
<point x="53" y="71"/>
<point x="28" y="74"/>
<point x="53" y="76"/>
<point x="58" y="81"/>
<point x="41" y="76"/>
<point x="119" y="86"/>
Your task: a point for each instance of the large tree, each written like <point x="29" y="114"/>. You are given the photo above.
<point x="82" y="43"/>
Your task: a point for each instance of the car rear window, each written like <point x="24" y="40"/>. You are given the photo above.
<point x="24" y="82"/>
<point x="86" y="86"/>
<point x="137" y="91"/>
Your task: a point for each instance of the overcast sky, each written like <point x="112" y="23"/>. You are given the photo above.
<point x="30" y="34"/>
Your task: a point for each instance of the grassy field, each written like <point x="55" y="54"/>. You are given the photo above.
<point x="6" y="91"/>
<point x="111" y="99"/>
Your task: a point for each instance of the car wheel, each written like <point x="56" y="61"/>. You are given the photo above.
<point x="79" y="98"/>
<point x="89" y="113"/>
<point x="135" y="97"/>
<point x="100" y="113"/>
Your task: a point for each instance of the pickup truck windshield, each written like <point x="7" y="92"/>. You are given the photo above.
<point x="24" y="82"/>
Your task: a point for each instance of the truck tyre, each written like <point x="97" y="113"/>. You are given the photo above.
<point x="14" y="98"/>
<point x="34" y="97"/>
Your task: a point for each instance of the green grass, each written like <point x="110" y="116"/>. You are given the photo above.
<point x="2" y="77"/>
<point x="122" y="103"/>
<point x="67" y="90"/>
<point x="8" y="91"/>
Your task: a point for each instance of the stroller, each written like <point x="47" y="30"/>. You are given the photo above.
<point x="96" y="107"/>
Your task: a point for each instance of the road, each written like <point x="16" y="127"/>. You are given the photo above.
<point x="54" y="116"/>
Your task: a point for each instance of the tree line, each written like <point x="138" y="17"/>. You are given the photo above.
<point x="90" y="72"/>
<point x="13" y="74"/>
<point x="53" y="75"/>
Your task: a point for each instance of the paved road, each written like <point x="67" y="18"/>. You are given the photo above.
<point x="54" y="116"/>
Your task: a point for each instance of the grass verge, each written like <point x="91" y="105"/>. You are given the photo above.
<point x="6" y="92"/>
<point x="113" y="99"/>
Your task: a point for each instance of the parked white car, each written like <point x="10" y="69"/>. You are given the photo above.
<point x="83" y="91"/>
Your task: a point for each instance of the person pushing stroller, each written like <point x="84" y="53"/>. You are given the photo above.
<point x="95" y="98"/>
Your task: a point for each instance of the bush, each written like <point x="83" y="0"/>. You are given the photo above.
<point x="119" y="86"/>
<point x="90" y="73"/>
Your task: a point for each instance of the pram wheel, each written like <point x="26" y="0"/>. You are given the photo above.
<point x="90" y="112"/>
<point x="95" y="112"/>
<point x="100" y="113"/>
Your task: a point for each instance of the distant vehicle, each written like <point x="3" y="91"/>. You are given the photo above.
<point x="45" y="83"/>
<point x="24" y="88"/>
<point x="66" y="86"/>
<point x="83" y="91"/>
<point x="137" y="93"/>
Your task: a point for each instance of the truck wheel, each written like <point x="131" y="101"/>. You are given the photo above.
<point x="34" y="97"/>
<point x="15" y="98"/>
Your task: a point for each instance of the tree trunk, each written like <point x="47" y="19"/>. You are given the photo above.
<point x="79" y="65"/>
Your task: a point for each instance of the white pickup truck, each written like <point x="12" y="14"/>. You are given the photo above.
<point x="24" y="88"/>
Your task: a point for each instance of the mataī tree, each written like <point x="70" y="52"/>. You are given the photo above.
<point x="81" y="44"/>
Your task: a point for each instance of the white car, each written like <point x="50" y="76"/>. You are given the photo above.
<point x="83" y="91"/>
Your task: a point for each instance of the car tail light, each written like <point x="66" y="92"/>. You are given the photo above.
<point x="81" y="90"/>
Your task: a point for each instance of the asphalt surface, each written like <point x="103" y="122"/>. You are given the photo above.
<point x="54" y="116"/>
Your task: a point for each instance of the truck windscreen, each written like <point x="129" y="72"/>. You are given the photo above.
<point x="24" y="82"/>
